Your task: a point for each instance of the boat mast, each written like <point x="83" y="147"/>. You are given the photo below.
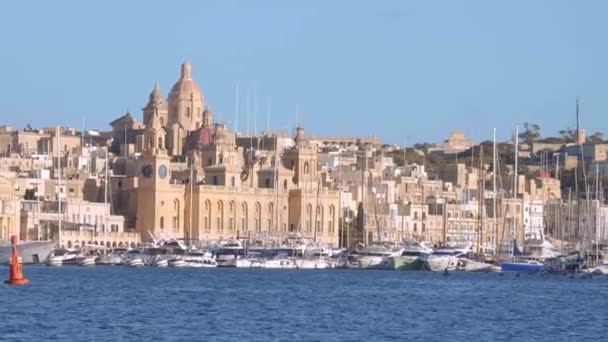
<point x="495" y="226"/>
<point x="276" y="186"/>
<point x="480" y="200"/>
<point x="59" y="187"/>
<point x="191" y="198"/>
<point x="515" y="174"/>
<point x="363" y="193"/>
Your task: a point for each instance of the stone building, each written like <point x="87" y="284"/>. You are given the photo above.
<point x="225" y="190"/>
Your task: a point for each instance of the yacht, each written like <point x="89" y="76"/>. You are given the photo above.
<point x="443" y="259"/>
<point x="249" y="262"/>
<point x="376" y="256"/>
<point x="30" y="252"/>
<point x="86" y="261"/>
<point x="55" y="261"/>
<point x="136" y="262"/>
<point x="280" y="263"/>
<point x="160" y="262"/>
<point x="199" y="259"/>
<point x="412" y="257"/>
<point x="227" y="253"/>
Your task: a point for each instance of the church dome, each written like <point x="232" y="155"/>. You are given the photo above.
<point x="201" y="137"/>
<point x="185" y="88"/>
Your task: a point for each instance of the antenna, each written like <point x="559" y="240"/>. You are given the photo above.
<point x="268" y="104"/>
<point x="255" y="110"/>
<point x="248" y="132"/>
<point x="236" y="109"/>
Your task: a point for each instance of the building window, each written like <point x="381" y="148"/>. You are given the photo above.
<point x="162" y="222"/>
<point x="215" y="180"/>
<point x="232" y="181"/>
<point x="219" y="223"/>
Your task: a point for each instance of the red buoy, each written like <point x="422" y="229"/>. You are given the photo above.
<point x="15" y="274"/>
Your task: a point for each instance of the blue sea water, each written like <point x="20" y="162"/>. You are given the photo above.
<point x="149" y="304"/>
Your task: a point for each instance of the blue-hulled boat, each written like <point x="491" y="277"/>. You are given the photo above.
<point x="519" y="264"/>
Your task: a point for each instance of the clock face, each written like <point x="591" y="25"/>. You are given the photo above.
<point x="162" y="171"/>
<point x="146" y="170"/>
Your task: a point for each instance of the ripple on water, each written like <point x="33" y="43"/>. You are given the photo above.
<point x="120" y="304"/>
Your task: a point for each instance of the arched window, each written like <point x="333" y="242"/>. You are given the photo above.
<point x="306" y="168"/>
<point x="160" y="143"/>
<point x="220" y="216"/>
<point x="258" y="216"/>
<point x="285" y="184"/>
<point x="244" y="222"/>
<point x="308" y="218"/>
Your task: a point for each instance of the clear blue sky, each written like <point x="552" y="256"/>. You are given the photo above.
<point x="395" y="69"/>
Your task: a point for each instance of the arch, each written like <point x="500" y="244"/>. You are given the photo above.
<point x="120" y="244"/>
<point x="207" y="216"/>
<point x="231" y="214"/>
<point x="220" y="215"/>
<point x="132" y="244"/>
<point x="306" y="168"/>
<point x="113" y="244"/>
<point x="319" y="219"/>
<point x="308" y="217"/>
<point x="332" y="219"/>
<point x="244" y="217"/>
<point x="258" y="216"/>
<point x="69" y="244"/>
<point x="108" y="244"/>
<point x="176" y="215"/>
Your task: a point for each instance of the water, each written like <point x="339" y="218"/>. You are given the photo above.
<point x="125" y="304"/>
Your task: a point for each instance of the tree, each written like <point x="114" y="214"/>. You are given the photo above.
<point x="530" y="133"/>
<point x="568" y="135"/>
<point x="596" y="138"/>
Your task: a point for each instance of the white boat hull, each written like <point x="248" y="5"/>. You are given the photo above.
<point x="30" y="252"/>
<point x="440" y="263"/>
<point x="280" y="264"/>
<point x="136" y="262"/>
<point x="87" y="262"/>
<point x="373" y="262"/>
<point x="55" y="261"/>
<point x="306" y="264"/>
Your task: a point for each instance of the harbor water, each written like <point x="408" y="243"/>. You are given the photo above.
<point x="126" y="304"/>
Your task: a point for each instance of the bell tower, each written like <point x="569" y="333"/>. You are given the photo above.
<point x="156" y="106"/>
<point x="153" y="184"/>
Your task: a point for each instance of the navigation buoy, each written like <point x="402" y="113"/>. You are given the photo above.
<point x="15" y="274"/>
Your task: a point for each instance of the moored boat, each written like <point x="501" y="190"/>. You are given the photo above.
<point x="522" y="266"/>
<point x="31" y="252"/>
<point x="136" y="262"/>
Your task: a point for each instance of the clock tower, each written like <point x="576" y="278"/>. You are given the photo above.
<point x="155" y="204"/>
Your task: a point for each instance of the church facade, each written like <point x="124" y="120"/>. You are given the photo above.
<point x="193" y="180"/>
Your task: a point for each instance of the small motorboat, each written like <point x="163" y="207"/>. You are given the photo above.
<point x="86" y="261"/>
<point x="55" y="261"/>
<point x="136" y="262"/>
<point x="179" y="263"/>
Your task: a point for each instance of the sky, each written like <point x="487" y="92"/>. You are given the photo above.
<point x="406" y="71"/>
